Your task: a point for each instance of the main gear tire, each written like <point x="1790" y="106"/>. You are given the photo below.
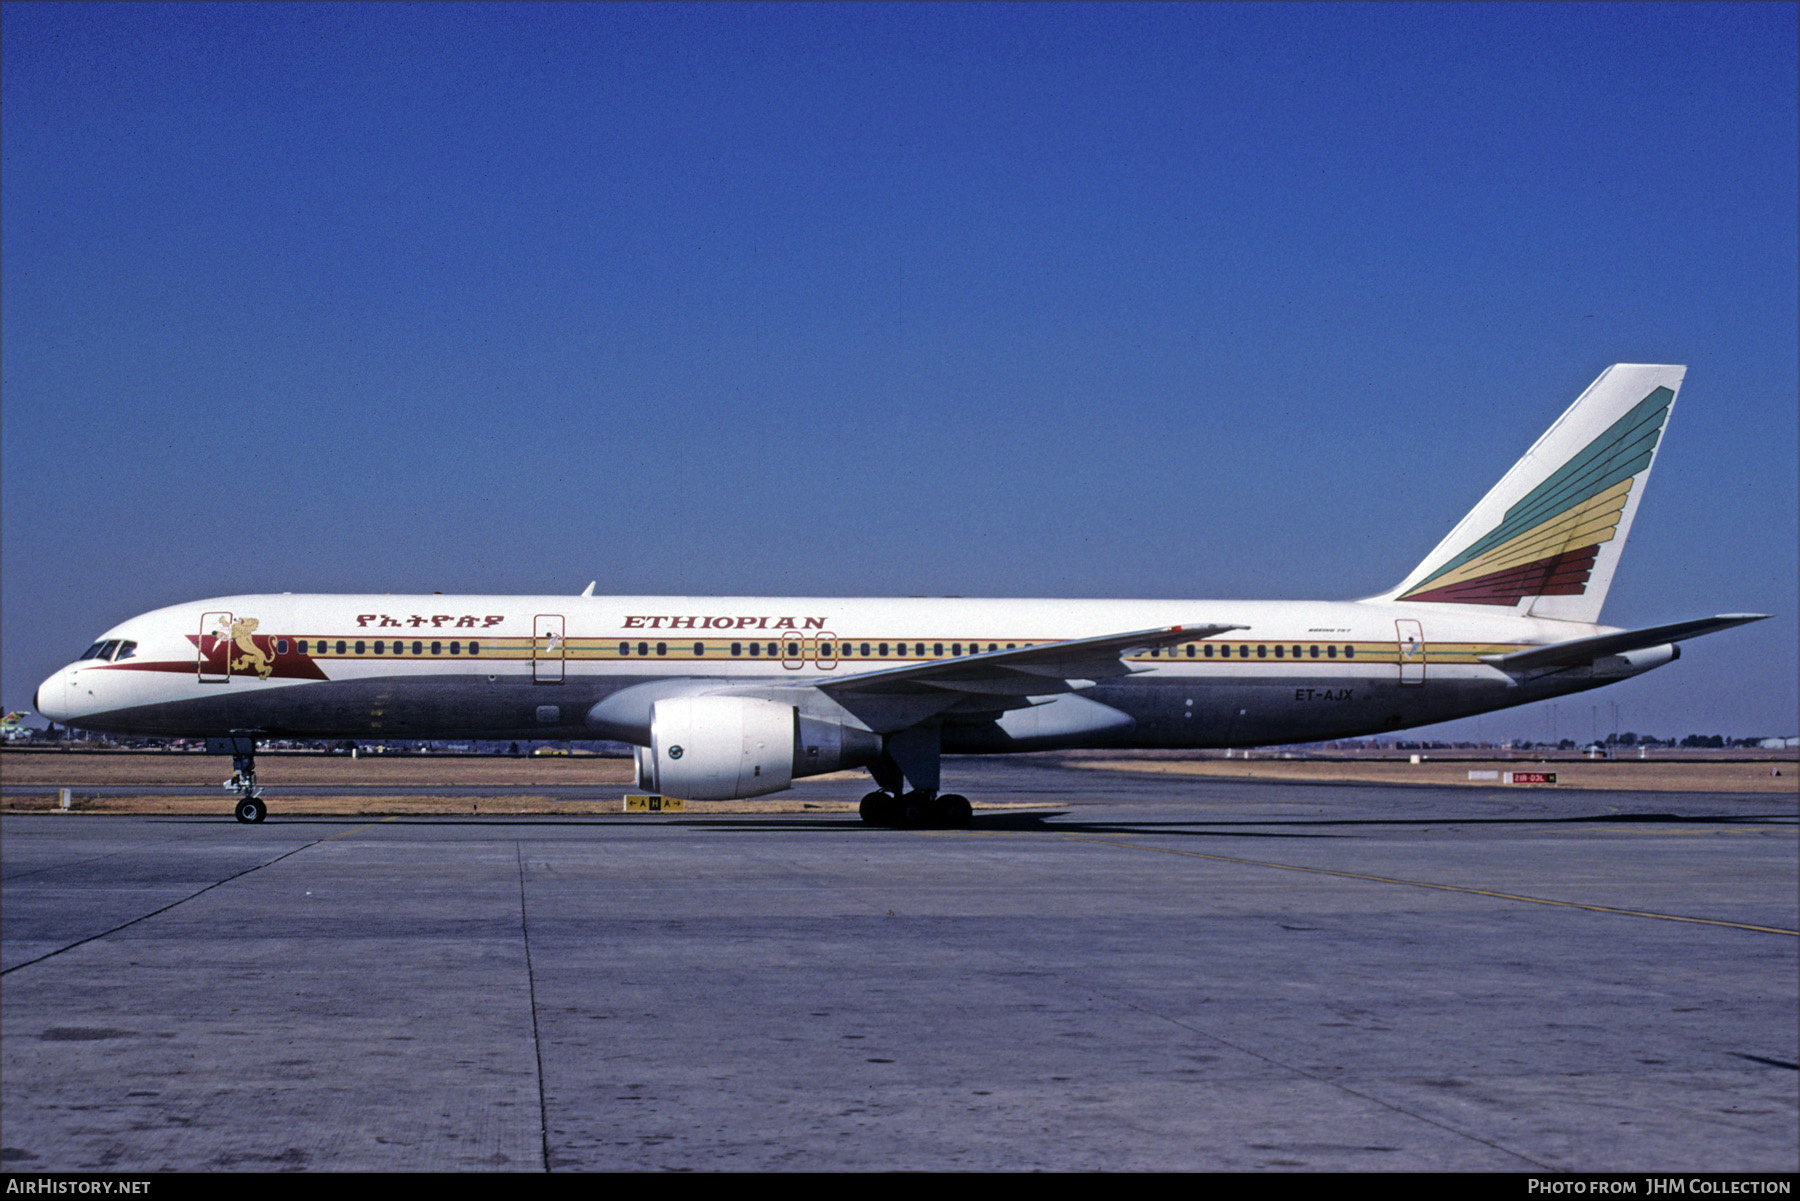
<point x="955" y="811"/>
<point x="877" y="809"/>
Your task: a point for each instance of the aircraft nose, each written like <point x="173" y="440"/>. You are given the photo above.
<point x="50" y="699"/>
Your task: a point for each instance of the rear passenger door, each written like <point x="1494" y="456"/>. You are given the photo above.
<point x="549" y="651"/>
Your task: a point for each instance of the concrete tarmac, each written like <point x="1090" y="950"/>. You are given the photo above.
<point x="1146" y="973"/>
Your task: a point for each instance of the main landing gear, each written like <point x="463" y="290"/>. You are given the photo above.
<point x="249" y="806"/>
<point x="912" y="757"/>
<point x="917" y="810"/>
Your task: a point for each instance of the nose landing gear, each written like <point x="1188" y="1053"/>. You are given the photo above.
<point x="249" y="806"/>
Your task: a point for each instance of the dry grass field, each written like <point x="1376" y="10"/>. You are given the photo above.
<point x="1636" y="775"/>
<point x="277" y="770"/>
<point x="32" y="779"/>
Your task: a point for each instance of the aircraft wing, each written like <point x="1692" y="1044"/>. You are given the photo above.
<point x="1578" y="651"/>
<point x="1036" y="670"/>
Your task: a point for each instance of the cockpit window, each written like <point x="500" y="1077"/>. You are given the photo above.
<point x="92" y="652"/>
<point x="126" y="650"/>
<point x="107" y="649"/>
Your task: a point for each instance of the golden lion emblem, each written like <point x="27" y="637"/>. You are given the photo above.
<point x="253" y="656"/>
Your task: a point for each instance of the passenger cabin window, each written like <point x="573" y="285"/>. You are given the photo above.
<point x="437" y="648"/>
<point x="901" y="648"/>
<point x="359" y="647"/>
<point x="643" y="648"/>
<point x="662" y="648"/>
<point x="456" y="648"/>
<point x="1350" y="652"/>
<point x="380" y="647"/>
<point x="418" y="648"/>
<point x="1278" y="651"/>
<point x="624" y="649"/>
<point x="1331" y="652"/>
<point x="699" y="649"/>
<point x="737" y="648"/>
<point x="281" y="646"/>
<point x="474" y="648"/>
<point x="755" y="649"/>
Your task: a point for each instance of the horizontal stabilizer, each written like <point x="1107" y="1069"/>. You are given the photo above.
<point x="1586" y="650"/>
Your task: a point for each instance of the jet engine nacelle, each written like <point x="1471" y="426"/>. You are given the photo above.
<point x="717" y="748"/>
<point x="1631" y="663"/>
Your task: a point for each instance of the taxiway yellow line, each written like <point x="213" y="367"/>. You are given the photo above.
<point x="357" y="830"/>
<point x="1479" y="892"/>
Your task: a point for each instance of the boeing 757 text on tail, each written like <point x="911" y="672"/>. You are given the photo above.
<point x="737" y="697"/>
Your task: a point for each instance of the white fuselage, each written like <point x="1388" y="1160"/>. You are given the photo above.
<point x="371" y="667"/>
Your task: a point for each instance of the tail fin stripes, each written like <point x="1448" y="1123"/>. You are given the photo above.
<point x="1554" y="526"/>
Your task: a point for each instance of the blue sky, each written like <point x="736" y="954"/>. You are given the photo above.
<point x="1093" y="300"/>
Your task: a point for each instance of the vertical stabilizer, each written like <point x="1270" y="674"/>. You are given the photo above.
<point x="1546" y="540"/>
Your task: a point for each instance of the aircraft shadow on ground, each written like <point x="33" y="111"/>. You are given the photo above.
<point x="1041" y="822"/>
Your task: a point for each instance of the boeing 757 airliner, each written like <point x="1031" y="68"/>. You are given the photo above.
<point x="739" y="696"/>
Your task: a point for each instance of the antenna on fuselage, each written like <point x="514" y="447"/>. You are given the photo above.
<point x="589" y="590"/>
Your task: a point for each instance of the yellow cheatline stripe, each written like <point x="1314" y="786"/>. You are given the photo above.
<point x="587" y="650"/>
<point x="1479" y="892"/>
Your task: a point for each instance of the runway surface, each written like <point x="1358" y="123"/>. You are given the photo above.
<point x="1146" y="973"/>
